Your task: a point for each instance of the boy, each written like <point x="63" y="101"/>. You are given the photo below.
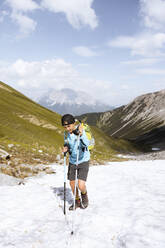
<point x="68" y="122"/>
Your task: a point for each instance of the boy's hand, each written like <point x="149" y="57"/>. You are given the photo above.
<point x="65" y="149"/>
<point x="78" y="130"/>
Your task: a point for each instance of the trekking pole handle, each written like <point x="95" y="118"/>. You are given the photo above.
<point x="65" y="154"/>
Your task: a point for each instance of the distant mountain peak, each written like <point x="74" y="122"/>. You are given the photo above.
<point x="70" y="96"/>
<point x="71" y="101"/>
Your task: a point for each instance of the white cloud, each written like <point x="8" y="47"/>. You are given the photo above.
<point x="22" y="5"/>
<point x="84" y="51"/>
<point x="26" y="24"/>
<point x="3" y="13"/>
<point x="35" y="77"/>
<point x="125" y="87"/>
<point x="78" y="12"/>
<point x="18" y="16"/>
<point x="159" y="84"/>
<point x="153" y="12"/>
<point x="146" y="44"/>
<point x="151" y="42"/>
<point x="83" y="65"/>
<point x="140" y="62"/>
<point x="151" y="71"/>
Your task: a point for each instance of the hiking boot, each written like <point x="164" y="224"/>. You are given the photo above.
<point x="77" y="204"/>
<point x="84" y="202"/>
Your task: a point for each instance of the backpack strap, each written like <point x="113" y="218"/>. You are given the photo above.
<point x="85" y="146"/>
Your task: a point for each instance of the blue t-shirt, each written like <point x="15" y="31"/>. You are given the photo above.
<point x="84" y="154"/>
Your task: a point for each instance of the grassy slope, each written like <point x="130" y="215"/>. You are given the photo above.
<point x="15" y="128"/>
<point x="106" y="148"/>
<point x="26" y="128"/>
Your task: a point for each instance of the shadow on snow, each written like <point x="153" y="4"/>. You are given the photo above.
<point x="59" y="192"/>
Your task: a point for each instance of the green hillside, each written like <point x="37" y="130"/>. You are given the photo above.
<point x="107" y="148"/>
<point x="26" y="127"/>
<point x="33" y="134"/>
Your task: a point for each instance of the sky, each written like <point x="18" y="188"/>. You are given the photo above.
<point x="127" y="210"/>
<point x="112" y="49"/>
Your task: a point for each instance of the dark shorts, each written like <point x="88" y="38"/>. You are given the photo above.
<point x="82" y="171"/>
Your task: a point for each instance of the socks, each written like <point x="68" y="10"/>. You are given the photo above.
<point x="84" y="193"/>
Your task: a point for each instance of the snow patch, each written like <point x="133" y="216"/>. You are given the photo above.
<point x="155" y="149"/>
<point x="6" y="180"/>
<point x="126" y="209"/>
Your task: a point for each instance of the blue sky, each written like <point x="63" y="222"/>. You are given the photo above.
<point x="112" y="49"/>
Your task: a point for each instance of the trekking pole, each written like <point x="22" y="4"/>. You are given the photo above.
<point x="75" y="186"/>
<point x="65" y="182"/>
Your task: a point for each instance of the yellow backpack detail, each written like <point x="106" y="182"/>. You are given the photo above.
<point x="89" y="136"/>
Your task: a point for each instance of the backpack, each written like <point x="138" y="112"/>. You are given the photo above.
<point x="89" y="136"/>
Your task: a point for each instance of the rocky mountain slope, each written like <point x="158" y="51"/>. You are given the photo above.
<point x="141" y="121"/>
<point x="71" y="101"/>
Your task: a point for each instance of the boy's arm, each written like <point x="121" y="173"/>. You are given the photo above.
<point x="66" y="147"/>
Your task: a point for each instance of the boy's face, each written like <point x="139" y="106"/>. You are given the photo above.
<point x="70" y="127"/>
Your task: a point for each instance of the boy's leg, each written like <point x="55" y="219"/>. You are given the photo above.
<point x="82" y="177"/>
<point x="77" y="198"/>
<point x="72" y="185"/>
<point x="82" y="174"/>
<point x="84" y="195"/>
<point x="82" y="186"/>
<point x="71" y="178"/>
<point x="83" y="169"/>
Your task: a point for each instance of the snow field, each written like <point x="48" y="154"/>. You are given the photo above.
<point x="127" y="202"/>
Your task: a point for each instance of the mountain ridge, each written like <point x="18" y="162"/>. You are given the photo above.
<point x="139" y="121"/>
